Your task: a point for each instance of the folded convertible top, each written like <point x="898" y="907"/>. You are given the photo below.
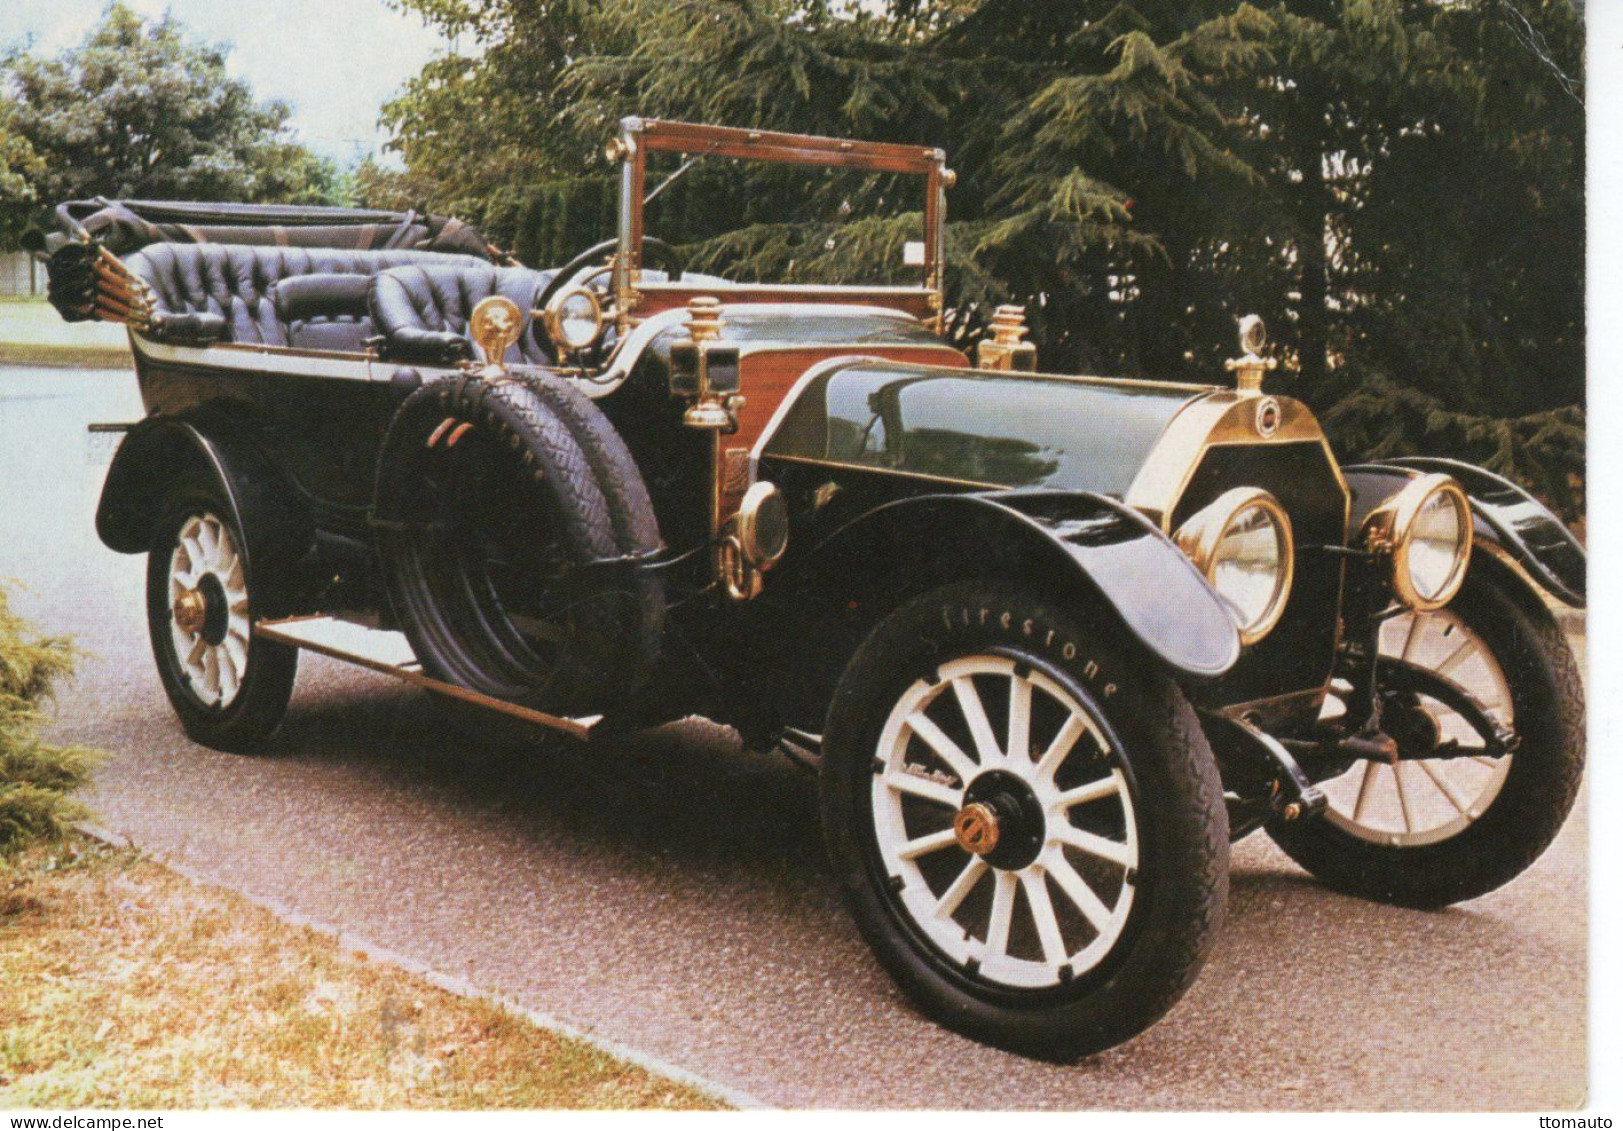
<point x="90" y="229"/>
<point x="123" y="226"/>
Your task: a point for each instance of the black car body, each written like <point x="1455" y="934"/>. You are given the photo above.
<point x="772" y="476"/>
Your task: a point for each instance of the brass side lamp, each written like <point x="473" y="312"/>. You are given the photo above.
<point x="495" y="326"/>
<point x="704" y="370"/>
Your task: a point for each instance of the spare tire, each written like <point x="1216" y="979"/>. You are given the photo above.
<point x="631" y="510"/>
<point x="509" y="541"/>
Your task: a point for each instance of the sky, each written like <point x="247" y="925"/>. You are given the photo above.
<point x="335" y="62"/>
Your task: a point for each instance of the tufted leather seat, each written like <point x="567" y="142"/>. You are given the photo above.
<point x="324" y="312"/>
<point x="422" y="310"/>
<point x="234" y="283"/>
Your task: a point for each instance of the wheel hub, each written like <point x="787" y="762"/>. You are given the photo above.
<point x="204" y="610"/>
<point x="976" y="828"/>
<point x="1001" y="820"/>
<point x="1415" y="729"/>
<point x="190" y="611"/>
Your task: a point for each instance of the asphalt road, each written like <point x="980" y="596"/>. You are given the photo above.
<point x="670" y="894"/>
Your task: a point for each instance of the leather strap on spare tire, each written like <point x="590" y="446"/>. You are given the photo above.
<point x="508" y="532"/>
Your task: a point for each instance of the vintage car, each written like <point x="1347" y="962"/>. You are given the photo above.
<point x="1051" y="641"/>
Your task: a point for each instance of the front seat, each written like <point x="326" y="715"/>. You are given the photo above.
<point x="422" y="312"/>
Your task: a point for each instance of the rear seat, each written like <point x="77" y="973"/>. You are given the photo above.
<point x="324" y="312"/>
<point x="226" y="292"/>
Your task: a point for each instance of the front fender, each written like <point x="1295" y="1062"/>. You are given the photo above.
<point x="162" y="454"/>
<point x="1504" y="516"/>
<point x="1067" y="542"/>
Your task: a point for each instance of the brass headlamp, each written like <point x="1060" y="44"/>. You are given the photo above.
<point x="1243" y="545"/>
<point x="574" y="320"/>
<point x="1421" y="537"/>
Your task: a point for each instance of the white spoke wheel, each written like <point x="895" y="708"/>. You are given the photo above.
<point x="1022" y="817"/>
<point x="1022" y="864"/>
<point x="229" y="688"/>
<point x="1417" y="801"/>
<point x="1455" y="816"/>
<point x="208" y="601"/>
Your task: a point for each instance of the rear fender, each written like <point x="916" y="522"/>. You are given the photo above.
<point x="163" y="454"/>
<point x="1506" y="519"/>
<point x="1067" y="544"/>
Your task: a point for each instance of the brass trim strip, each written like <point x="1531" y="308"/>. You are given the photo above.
<point x="788" y="290"/>
<point x="809" y="461"/>
<point x="972" y="372"/>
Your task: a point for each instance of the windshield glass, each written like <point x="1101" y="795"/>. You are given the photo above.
<point x="753" y="221"/>
<point x="763" y="207"/>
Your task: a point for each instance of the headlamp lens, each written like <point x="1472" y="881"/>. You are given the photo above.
<point x="574" y="319"/>
<point x="1247" y="567"/>
<point x="1435" y="545"/>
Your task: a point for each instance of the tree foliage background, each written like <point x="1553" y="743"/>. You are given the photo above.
<point x="139" y="109"/>
<point x="1396" y="185"/>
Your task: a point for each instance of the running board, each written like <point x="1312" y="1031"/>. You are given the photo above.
<point x="390" y="654"/>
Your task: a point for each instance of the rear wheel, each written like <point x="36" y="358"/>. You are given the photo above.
<point x="1454" y="817"/>
<point x="1028" y="826"/>
<point x="229" y="687"/>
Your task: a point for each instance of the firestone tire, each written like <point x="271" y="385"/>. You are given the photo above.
<point x="1135" y="796"/>
<point x="1527" y="807"/>
<point x="502" y="554"/>
<point x="229" y="687"/>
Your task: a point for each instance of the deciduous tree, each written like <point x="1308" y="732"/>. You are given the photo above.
<point x="141" y="109"/>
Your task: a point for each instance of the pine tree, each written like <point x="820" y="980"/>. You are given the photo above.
<point x="1396" y="185"/>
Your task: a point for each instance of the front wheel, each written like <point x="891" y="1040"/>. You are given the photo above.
<point x="1459" y="812"/>
<point x="1028" y="825"/>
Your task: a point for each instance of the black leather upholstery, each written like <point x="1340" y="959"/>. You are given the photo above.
<point x="234" y="281"/>
<point x="422" y="310"/>
<point x="198" y="328"/>
<point x="324" y="312"/>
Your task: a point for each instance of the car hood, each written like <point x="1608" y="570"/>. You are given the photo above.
<point x="976" y="427"/>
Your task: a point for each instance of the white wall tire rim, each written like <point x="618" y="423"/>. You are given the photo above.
<point x="1066" y="909"/>
<point x="213" y="671"/>
<point x="1417" y="802"/>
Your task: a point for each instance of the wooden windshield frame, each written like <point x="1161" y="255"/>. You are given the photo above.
<point x="641" y="136"/>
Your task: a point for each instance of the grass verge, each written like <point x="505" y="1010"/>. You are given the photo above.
<point x="123" y="984"/>
<point x="31" y="333"/>
<point x="31" y="355"/>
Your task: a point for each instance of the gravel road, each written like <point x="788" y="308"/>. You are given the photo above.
<point x="669" y="894"/>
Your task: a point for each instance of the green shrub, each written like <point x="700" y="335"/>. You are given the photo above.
<point x="36" y="778"/>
